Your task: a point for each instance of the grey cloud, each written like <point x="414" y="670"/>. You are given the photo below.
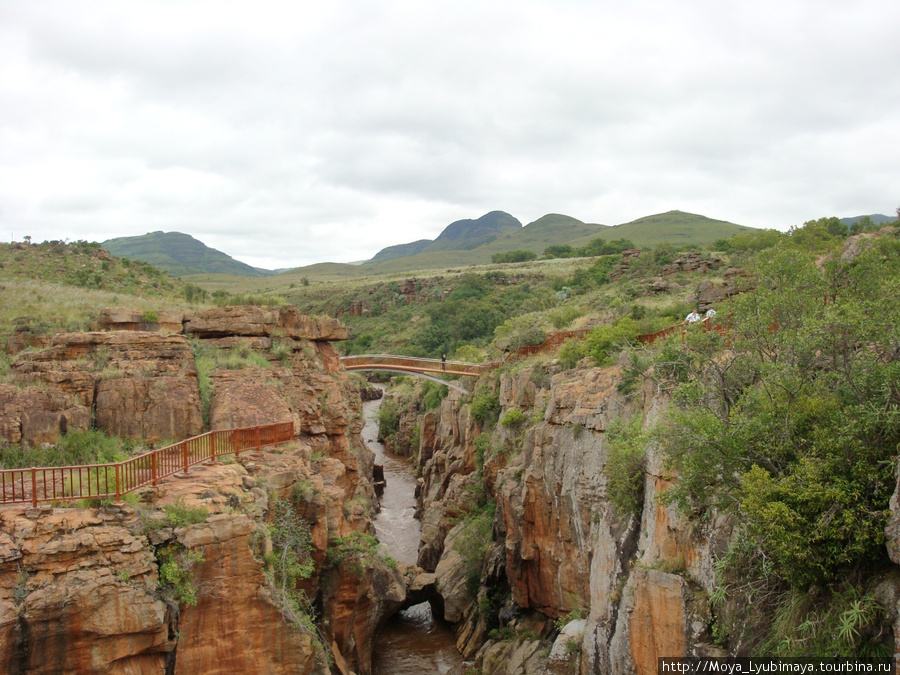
<point x="329" y="130"/>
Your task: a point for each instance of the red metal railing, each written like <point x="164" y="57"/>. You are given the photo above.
<point x="101" y="481"/>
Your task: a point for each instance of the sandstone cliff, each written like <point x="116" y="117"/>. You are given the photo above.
<point x="614" y="589"/>
<point x="134" y="587"/>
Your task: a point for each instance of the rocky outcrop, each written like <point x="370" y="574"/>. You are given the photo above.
<point x="252" y="321"/>
<point x="636" y="583"/>
<point x="123" y="318"/>
<point x="142" y="384"/>
<point x="88" y="590"/>
<point x="736" y="280"/>
<point x="151" y="408"/>
<point x="76" y="362"/>
<point x="34" y="415"/>
<point x="691" y="262"/>
<point x="78" y="594"/>
<point x="137" y="384"/>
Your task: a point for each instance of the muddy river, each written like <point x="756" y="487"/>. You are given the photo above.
<point x="412" y="642"/>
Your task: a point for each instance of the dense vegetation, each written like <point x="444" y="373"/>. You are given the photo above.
<point x="791" y="422"/>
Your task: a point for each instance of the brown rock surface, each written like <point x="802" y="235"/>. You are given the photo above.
<point x="250" y="320"/>
<point x="150" y="408"/>
<point x="235" y="626"/>
<point x="82" y="588"/>
<point x="75" y="362"/>
<point x="36" y="415"/>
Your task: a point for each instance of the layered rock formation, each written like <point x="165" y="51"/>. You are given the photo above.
<point x="105" y="590"/>
<point x="629" y="586"/>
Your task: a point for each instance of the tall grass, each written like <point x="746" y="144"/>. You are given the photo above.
<point x="75" y="448"/>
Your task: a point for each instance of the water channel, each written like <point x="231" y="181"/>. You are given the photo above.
<point x="412" y="642"/>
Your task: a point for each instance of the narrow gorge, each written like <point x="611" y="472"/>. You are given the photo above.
<point x="540" y="533"/>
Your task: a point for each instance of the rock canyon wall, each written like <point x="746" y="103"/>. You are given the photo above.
<point x="569" y="582"/>
<point x="136" y="587"/>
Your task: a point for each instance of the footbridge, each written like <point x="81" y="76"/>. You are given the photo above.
<point x="427" y="368"/>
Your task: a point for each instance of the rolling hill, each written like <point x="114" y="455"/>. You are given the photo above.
<point x="675" y="227"/>
<point x="461" y="235"/>
<point x="180" y="255"/>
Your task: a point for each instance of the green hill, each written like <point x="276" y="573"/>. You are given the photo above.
<point x="461" y="235"/>
<point x="179" y="255"/>
<point x="675" y="227"/>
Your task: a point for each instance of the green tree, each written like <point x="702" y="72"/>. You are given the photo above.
<point x="792" y="422"/>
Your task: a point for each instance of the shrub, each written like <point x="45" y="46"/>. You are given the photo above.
<point x="179" y="515"/>
<point x="625" y="465"/>
<point x="515" y="256"/>
<point x="388" y="418"/>
<point x="513" y="418"/>
<point x="603" y="341"/>
<point x="176" y="576"/>
<point x="485" y="405"/>
<point x="474" y="541"/>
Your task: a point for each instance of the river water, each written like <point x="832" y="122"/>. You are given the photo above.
<point x="412" y="642"/>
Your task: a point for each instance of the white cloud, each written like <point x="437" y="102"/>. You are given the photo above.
<point x="291" y="133"/>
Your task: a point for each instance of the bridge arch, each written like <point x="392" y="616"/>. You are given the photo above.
<point x="427" y="368"/>
<point x="452" y="385"/>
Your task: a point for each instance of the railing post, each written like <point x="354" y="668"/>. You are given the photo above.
<point x="118" y="489"/>
<point x="184" y="455"/>
<point x="153" y="473"/>
<point x="34" y="487"/>
<point x="257" y="437"/>
<point x="212" y="446"/>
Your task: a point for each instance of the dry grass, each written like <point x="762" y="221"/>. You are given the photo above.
<point x="56" y="307"/>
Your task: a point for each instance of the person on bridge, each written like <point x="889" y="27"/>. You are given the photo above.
<point x="693" y="317"/>
<point x="443" y="362"/>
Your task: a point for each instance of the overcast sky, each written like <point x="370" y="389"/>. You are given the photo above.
<point x="290" y="133"/>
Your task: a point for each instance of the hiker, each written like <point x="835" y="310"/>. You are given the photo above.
<point x="693" y="317"/>
<point x="443" y="362"/>
<point x="710" y="313"/>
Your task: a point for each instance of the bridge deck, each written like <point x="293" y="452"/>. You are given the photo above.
<point x="411" y="364"/>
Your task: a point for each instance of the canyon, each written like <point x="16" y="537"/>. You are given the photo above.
<point x="565" y="580"/>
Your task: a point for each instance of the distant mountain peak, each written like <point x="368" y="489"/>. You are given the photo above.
<point x="179" y="254"/>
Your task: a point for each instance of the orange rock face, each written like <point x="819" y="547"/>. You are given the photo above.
<point x="78" y="592"/>
<point x="37" y="415"/>
<point x="139" y="384"/>
<point x="151" y="408"/>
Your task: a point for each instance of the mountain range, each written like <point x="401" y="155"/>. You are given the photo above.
<point x="461" y="243"/>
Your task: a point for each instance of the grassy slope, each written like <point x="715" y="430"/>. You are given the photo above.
<point x="64" y="286"/>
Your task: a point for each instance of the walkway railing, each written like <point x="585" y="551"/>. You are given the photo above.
<point x="102" y="481"/>
<point x="411" y="364"/>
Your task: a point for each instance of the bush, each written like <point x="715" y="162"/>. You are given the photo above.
<point x="572" y="351"/>
<point x="474" y="541"/>
<point x="485" y="405"/>
<point x="603" y="341"/>
<point x="388" y="418"/>
<point x="179" y="515"/>
<point x="513" y="256"/>
<point x="513" y="418"/>
<point x="432" y="395"/>
<point x="625" y="465"/>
